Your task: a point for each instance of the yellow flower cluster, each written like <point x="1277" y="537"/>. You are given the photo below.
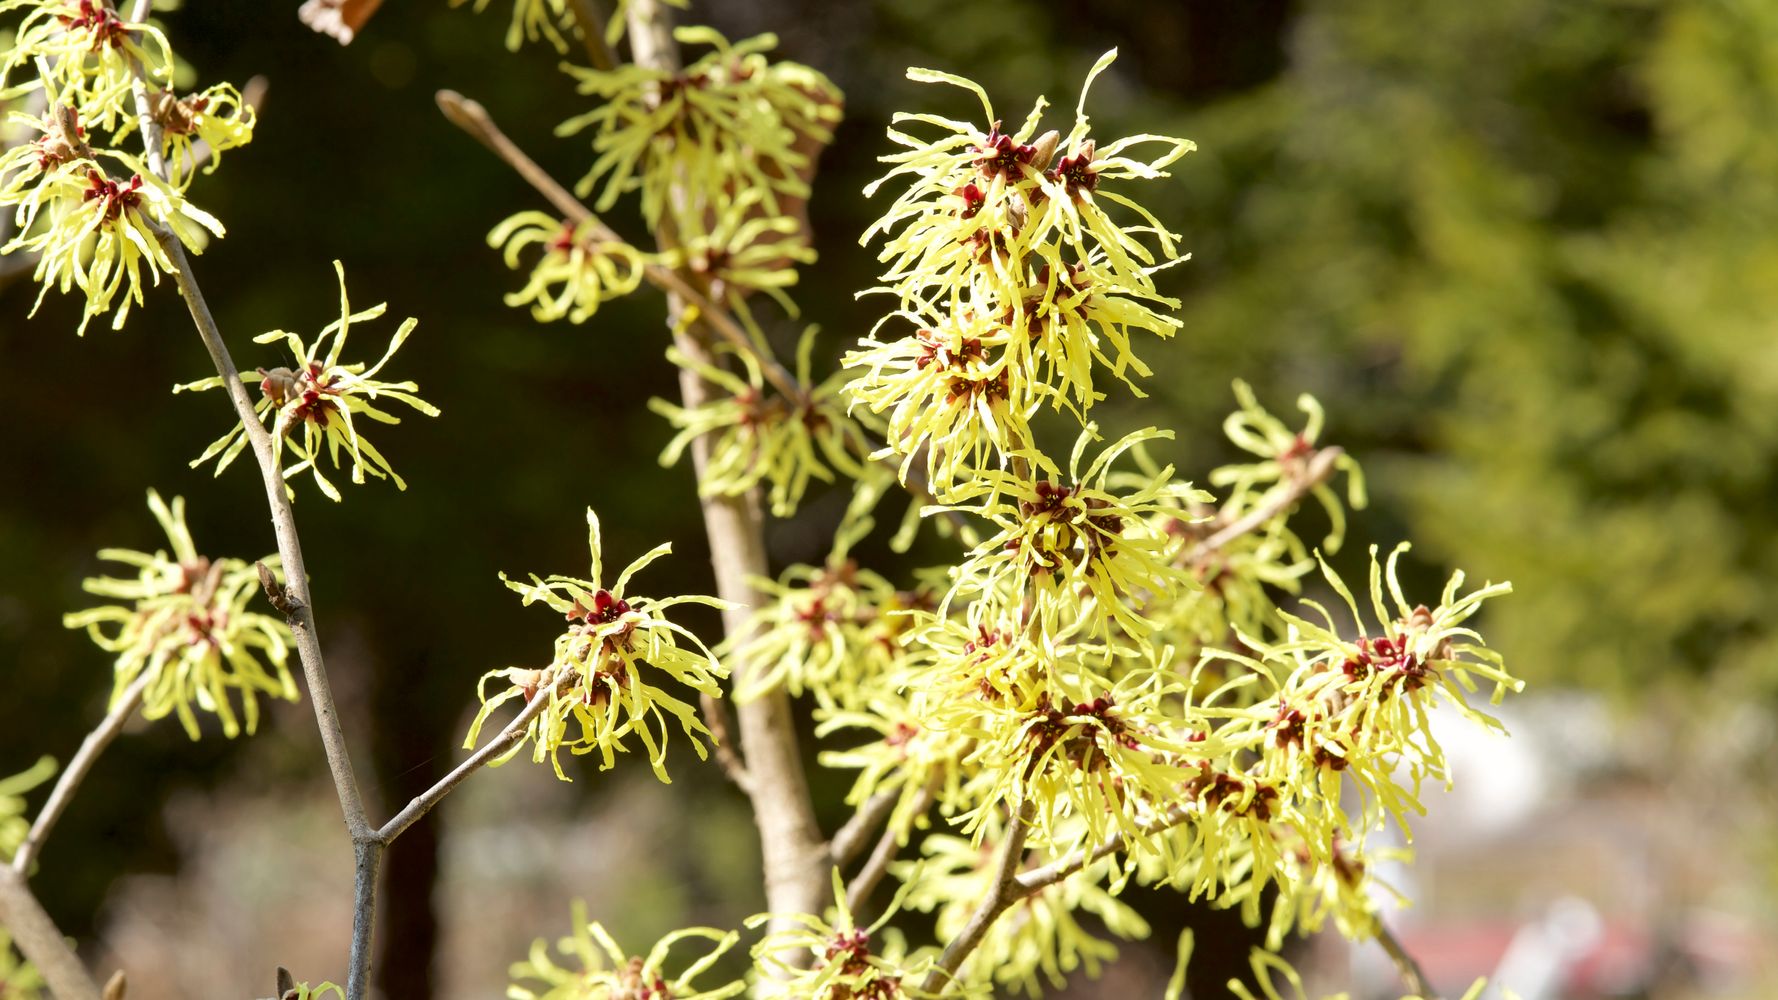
<point x="598" y="693"/>
<point x="94" y="216"/>
<point x="597" y="968"/>
<point x="187" y="627"/>
<point x="1109" y="664"/>
<point x="314" y="402"/>
<point x="1016" y="280"/>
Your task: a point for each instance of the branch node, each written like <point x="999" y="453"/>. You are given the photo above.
<point x="279" y="596"/>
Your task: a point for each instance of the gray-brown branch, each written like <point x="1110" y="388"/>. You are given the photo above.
<point x="37" y="938"/>
<point x="76" y="771"/>
<point x="1002" y="893"/>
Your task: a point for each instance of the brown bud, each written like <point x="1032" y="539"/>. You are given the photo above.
<point x="1045" y="147"/>
<point x="340" y="19"/>
<point x="278" y="384"/>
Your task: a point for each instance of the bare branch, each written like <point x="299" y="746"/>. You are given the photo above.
<point x="716" y="716"/>
<point x="301" y="614"/>
<point x="877" y="865"/>
<point x="1412" y="976"/>
<point x="40" y="942"/>
<point x="77" y="769"/>
<point x="1002" y="893"/>
<point x="851" y="838"/>
<point x="1316" y="470"/>
<point x="423" y="803"/>
<point x="1035" y="879"/>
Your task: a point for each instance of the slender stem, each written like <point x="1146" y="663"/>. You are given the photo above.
<point x="41" y="942"/>
<point x="716" y="717"/>
<point x="1315" y="471"/>
<point x="367" y="857"/>
<point x="472" y="118"/>
<point x="1035" y="879"/>
<point x="851" y="838"/>
<point x="1002" y="893"/>
<point x="1412" y="976"/>
<point x="302" y="614"/>
<point x="591" y="22"/>
<point x="877" y="865"/>
<point x="77" y="769"/>
<point x="299" y="601"/>
<point x="421" y="804"/>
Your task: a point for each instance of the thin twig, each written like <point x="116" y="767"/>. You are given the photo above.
<point x="716" y="717"/>
<point x="77" y="769"/>
<point x="38" y="939"/>
<point x="851" y="838"/>
<point x="302" y="618"/>
<point x="877" y="865"/>
<point x="1002" y="893"/>
<point x="1412" y="976"/>
<point x="1316" y="471"/>
<point x="474" y="119"/>
<point x="423" y="803"/>
<point x="1035" y="879"/>
<point x="591" y="22"/>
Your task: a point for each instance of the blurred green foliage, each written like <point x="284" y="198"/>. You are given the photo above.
<point x="1524" y="251"/>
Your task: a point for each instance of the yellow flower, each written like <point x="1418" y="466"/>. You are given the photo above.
<point x="101" y="233"/>
<point x="13" y="823"/>
<point x="1283" y="454"/>
<point x="186" y="624"/>
<point x="760" y="438"/>
<point x="576" y="274"/>
<point x="842" y="961"/>
<point x="315" y="402"/>
<point x="1085" y="553"/>
<point x="595" y="683"/>
<point x="532" y="20"/>
<point x="950" y="390"/>
<point x="87" y="51"/>
<point x="218" y="118"/>
<point x="38" y="173"/>
<point x="745" y="247"/>
<point x="599" y="969"/>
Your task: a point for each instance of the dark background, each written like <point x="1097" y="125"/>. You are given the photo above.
<point x="1521" y="250"/>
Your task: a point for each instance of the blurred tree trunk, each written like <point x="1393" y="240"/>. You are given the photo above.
<point x="409" y="754"/>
